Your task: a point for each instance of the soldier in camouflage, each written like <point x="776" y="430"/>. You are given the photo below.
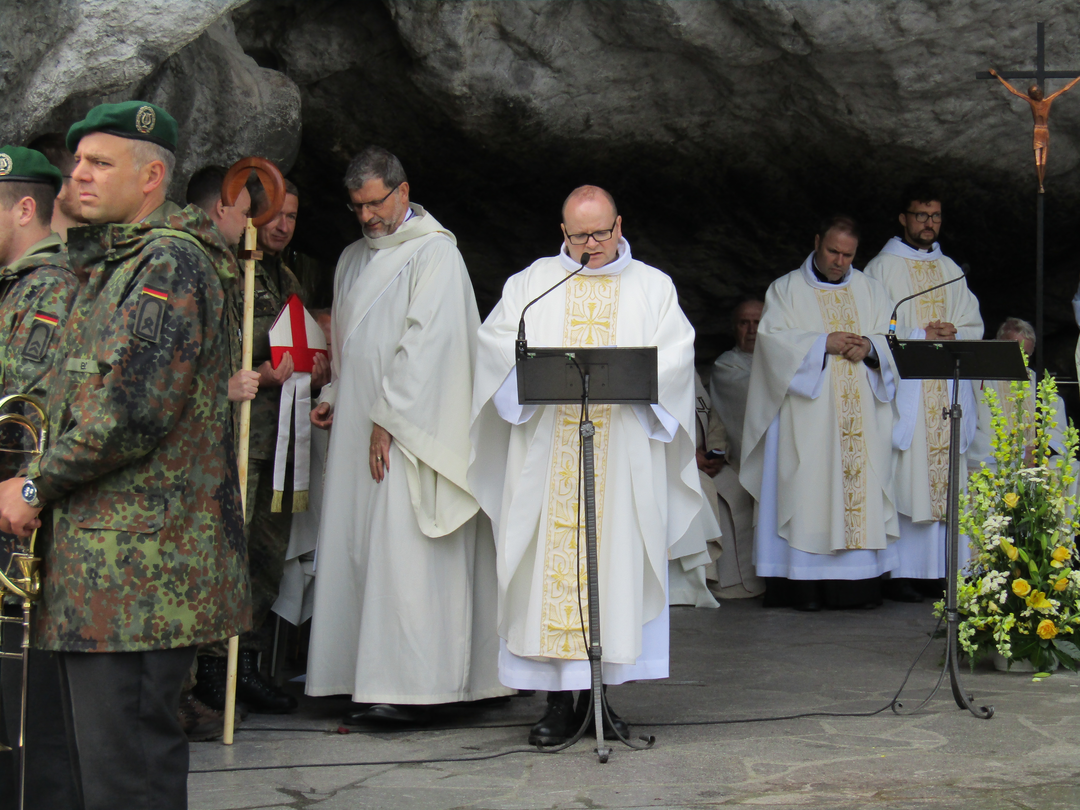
<point x="143" y="545"/>
<point x="267" y="531"/>
<point x="36" y="292"/>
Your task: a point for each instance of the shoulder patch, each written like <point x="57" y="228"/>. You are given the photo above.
<point x="150" y="314"/>
<point x="41" y="332"/>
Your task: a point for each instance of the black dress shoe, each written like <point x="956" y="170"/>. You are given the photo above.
<point x="407" y="714"/>
<point x="559" y="722"/>
<point x="902" y="590"/>
<point x="612" y="722"/>
<point x="809" y="606"/>
<point x="261" y="696"/>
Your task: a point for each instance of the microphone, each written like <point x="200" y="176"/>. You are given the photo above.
<point x="521" y="344"/>
<point x="892" y="318"/>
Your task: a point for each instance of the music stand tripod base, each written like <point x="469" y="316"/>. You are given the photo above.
<point x="957" y="360"/>
<point x="565" y="376"/>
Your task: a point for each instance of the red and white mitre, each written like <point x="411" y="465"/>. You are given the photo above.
<point x="296" y="332"/>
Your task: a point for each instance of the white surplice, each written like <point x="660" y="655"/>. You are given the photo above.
<point x="729" y="384"/>
<point x="793" y="451"/>
<point x="921" y="454"/>
<point x="689" y="585"/>
<point x="523" y="472"/>
<point x="405" y="595"/>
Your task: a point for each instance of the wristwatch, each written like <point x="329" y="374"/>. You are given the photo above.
<point x="29" y="494"/>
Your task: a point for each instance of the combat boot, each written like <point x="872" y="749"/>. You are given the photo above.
<point x="199" y="721"/>
<point x="261" y="696"/>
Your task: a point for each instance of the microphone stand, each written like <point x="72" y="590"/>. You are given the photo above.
<point x="892" y="318"/>
<point x="520" y="345"/>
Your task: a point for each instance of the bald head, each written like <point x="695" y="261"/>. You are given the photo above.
<point x="592" y="194"/>
<point x="745" y="319"/>
<point x="591" y="224"/>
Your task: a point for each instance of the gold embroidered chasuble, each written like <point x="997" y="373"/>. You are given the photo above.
<point x="931" y="307"/>
<point x="592" y="306"/>
<point x="839" y="314"/>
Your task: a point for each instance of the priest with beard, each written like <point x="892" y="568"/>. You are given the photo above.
<point x="525" y="471"/>
<point x="906" y="265"/>
<point x="405" y="594"/>
<point x="817" y="452"/>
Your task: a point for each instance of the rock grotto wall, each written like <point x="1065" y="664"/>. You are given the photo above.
<point x="724" y="129"/>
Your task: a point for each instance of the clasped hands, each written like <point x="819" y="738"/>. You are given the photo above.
<point x="848" y="345"/>
<point x="940" y="330"/>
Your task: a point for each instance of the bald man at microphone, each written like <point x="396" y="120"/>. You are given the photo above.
<point x="525" y="471"/>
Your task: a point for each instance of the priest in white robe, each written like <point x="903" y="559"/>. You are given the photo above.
<point x="906" y="265"/>
<point x="525" y="462"/>
<point x="817" y="452"/>
<point x="405" y="589"/>
<point x="729" y="385"/>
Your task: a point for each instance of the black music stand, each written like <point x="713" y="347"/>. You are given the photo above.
<point x="608" y="376"/>
<point x="957" y="360"/>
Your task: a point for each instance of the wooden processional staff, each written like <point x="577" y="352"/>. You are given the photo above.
<point x="274" y="185"/>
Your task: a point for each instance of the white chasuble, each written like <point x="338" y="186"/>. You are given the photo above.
<point x="592" y="306"/>
<point x="817" y="433"/>
<point x="921" y="434"/>
<point x="405" y="589"/>
<point x="524" y="473"/>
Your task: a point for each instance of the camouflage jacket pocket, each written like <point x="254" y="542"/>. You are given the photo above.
<point x="114" y="511"/>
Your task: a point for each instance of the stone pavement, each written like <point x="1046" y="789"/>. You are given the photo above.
<point x="740" y="661"/>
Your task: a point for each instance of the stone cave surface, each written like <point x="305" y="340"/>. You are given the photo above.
<point x="725" y="130"/>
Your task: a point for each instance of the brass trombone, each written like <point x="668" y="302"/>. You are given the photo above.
<point x="22" y="579"/>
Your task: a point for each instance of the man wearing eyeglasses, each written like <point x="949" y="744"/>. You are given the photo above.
<point x="525" y="471"/>
<point x="908" y="263"/>
<point x="404" y="612"/>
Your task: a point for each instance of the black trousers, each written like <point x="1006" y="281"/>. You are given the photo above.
<point x="49" y="782"/>
<point x="129" y="749"/>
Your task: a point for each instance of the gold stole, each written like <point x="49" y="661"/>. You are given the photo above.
<point x="592" y="305"/>
<point x="839" y="313"/>
<point x="931" y="307"/>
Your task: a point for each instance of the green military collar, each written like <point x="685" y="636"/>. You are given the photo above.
<point x="161" y="213"/>
<point x="48" y="246"/>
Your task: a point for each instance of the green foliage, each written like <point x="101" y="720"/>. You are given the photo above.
<point x="1020" y="594"/>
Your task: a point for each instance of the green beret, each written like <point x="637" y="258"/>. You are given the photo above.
<point x="28" y="166"/>
<point x="138" y="120"/>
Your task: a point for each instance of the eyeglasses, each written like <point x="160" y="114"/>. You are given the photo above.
<point x="582" y="238"/>
<point x="356" y="208"/>
<point x="922" y="216"/>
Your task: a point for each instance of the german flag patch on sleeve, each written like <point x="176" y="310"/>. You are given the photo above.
<point x="150" y="314"/>
<point x="41" y="332"/>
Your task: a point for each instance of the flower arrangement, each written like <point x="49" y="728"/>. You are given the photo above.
<point x="1020" y="593"/>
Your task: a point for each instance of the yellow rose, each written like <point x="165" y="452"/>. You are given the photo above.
<point x="1046" y="629"/>
<point x="1038" y="601"/>
<point x="1011" y="499"/>
<point x="1021" y="588"/>
<point x="1009" y="549"/>
<point x="1060" y="554"/>
<point x="1061" y="584"/>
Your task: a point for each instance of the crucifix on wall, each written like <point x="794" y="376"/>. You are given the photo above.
<point x="1040" y="112"/>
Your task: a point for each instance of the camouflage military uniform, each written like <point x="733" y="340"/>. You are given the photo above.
<point x="144" y="545"/>
<point x="267" y="532"/>
<point x="36" y="294"/>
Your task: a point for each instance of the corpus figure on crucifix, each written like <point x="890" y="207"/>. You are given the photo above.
<point x="1040" y="111"/>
